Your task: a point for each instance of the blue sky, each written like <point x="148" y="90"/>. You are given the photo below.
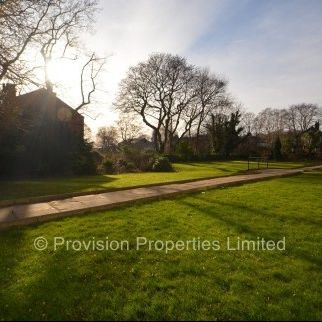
<point x="270" y="51"/>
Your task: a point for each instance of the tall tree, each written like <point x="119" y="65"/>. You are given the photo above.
<point x="210" y="94"/>
<point x="301" y="117"/>
<point x="172" y="97"/>
<point x="160" y="91"/>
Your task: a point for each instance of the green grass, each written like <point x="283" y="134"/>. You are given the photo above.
<point x="183" y="171"/>
<point x="189" y="284"/>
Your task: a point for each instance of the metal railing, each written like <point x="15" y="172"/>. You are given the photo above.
<point x="258" y="161"/>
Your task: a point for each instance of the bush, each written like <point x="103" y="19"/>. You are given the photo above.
<point x="121" y="165"/>
<point x="162" y="164"/>
<point x="138" y="159"/>
<point x="83" y="160"/>
<point x="130" y="166"/>
<point x="108" y="166"/>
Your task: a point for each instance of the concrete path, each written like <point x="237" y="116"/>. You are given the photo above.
<point x="44" y="211"/>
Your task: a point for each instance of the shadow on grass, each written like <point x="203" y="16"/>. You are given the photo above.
<point x="270" y="233"/>
<point x="44" y="294"/>
<point x="10" y="259"/>
<point x="225" y="169"/>
<point x="65" y="285"/>
<point x="52" y="186"/>
<point x="307" y="178"/>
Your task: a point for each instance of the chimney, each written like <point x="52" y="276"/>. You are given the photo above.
<point x="50" y="88"/>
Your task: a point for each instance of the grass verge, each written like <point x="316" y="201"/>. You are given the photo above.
<point x="13" y="190"/>
<point x="189" y="284"/>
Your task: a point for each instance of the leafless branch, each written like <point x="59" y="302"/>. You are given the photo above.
<point x="94" y="65"/>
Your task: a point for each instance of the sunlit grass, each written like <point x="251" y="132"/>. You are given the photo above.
<point x="202" y="285"/>
<point x="183" y="171"/>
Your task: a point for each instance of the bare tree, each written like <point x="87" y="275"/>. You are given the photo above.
<point x="210" y="95"/>
<point x="301" y="117"/>
<point x="128" y="128"/>
<point x="61" y="33"/>
<point x="51" y="27"/>
<point x="107" y="138"/>
<point x="21" y="22"/>
<point x="248" y="122"/>
<point x="164" y="92"/>
<point x="51" y="24"/>
<point x="270" y="121"/>
<point x="61" y="28"/>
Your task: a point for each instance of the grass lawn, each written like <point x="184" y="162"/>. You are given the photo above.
<point x="183" y="171"/>
<point x="185" y="284"/>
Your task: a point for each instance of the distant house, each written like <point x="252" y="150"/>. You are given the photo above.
<point x="42" y="107"/>
<point x="141" y="143"/>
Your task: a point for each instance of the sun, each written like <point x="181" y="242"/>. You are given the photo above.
<point x="64" y="72"/>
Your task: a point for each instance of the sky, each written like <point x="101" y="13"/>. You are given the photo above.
<point x="269" y="51"/>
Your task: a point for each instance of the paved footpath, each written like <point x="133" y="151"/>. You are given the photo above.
<point x="19" y="215"/>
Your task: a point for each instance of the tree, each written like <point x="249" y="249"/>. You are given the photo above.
<point x="248" y="122"/>
<point x="311" y="141"/>
<point x="270" y="121"/>
<point x="21" y="22"/>
<point x="277" y="149"/>
<point x="301" y="117"/>
<point x="172" y="97"/>
<point x="50" y="27"/>
<point x="210" y="94"/>
<point x="107" y="138"/>
<point x="224" y="133"/>
<point x="159" y="90"/>
<point x="128" y="128"/>
<point x="61" y="27"/>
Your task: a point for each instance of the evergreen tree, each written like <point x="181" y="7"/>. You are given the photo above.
<point x="224" y="133"/>
<point x="277" y="149"/>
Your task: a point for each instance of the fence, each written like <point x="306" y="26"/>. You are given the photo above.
<point x="258" y="161"/>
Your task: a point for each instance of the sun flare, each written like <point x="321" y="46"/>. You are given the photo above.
<point x="64" y="71"/>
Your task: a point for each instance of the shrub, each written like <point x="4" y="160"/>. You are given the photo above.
<point x="108" y="166"/>
<point x="138" y="159"/>
<point x="83" y="160"/>
<point x="130" y="166"/>
<point x="162" y="164"/>
<point x="120" y="165"/>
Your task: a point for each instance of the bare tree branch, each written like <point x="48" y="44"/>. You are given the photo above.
<point x="94" y="65"/>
